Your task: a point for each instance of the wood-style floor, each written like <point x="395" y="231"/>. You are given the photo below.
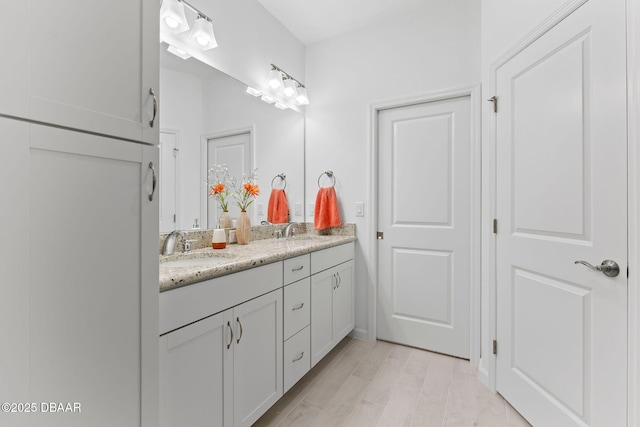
<point x="382" y="384"/>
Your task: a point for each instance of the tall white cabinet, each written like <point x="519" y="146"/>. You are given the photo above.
<point x="87" y="65"/>
<point x="79" y="306"/>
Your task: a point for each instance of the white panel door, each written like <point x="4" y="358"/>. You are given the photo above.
<point x="235" y="152"/>
<point x="561" y="197"/>
<point x="424" y="210"/>
<point x="168" y="183"/>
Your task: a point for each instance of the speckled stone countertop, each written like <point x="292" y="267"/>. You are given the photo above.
<point x="183" y="269"/>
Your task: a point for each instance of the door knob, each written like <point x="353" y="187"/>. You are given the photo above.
<point x="608" y="267"/>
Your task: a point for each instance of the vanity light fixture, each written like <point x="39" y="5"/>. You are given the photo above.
<point x="289" y="89"/>
<point x="178" y="52"/>
<point x="202" y="33"/>
<point x="252" y="91"/>
<point x="268" y="99"/>
<point x="172" y="14"/>
<point x="281" y="89"/>
<point x="174" y="20"/>
<point x="274" y="79"/>
<point x="302" y="98"/>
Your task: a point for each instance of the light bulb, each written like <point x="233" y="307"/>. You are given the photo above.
<point x="171" y="23"/>
<point x="289" y="88"/>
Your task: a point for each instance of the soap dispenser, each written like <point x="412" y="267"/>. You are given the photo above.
<point x="219" y="239"/>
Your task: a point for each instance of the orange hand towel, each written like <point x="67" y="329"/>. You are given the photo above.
<point x="278" y="209"/>
<point x="326" y="214"/>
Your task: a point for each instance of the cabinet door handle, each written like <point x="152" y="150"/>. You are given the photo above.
<point x="155" y="181"/>
<point x="298" y="357"/>
<point x="240" y="324"/>
<point x="155" y="106"/>
<point x="339" y="280"/>
<point x="231" y="335"/>
<point x="334" y="281"/>
<point x="298" y="268"/>
<point x="298" y="307"/>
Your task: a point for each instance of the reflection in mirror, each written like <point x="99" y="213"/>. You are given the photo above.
<point x="207" y="118"/>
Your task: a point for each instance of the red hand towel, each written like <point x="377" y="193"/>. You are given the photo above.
<point x="278" y="209"/>
<point x="326" y="214"/>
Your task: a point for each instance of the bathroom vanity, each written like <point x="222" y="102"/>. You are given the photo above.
<point x="239" y="328"/>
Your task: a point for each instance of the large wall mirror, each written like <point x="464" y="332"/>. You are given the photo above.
<point x="207" y="118"/>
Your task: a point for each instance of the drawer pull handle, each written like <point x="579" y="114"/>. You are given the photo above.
<point x="240" y="337"/>
<point x="298" y="268"/>
<point x="231" y="331"/>
<point x="298" y="307"/>
<point x="298" y="357"/>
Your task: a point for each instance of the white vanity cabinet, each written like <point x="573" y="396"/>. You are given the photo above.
<point x="332" y="298"/>
<point x="85" y="65"/>
<point x="79" y="306"/>
<point x="222" y="367"/>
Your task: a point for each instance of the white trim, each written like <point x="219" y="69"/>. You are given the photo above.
<point x="204" y="139"/>
<point x="633" y="124"/>
<point x="474" y="274"/>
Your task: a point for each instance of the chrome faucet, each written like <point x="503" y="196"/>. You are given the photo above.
<point x="170" y="242"/>
<point x="288" y="230"/>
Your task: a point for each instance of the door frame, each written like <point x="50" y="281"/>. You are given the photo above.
<point x="204" y="151"/>
<point x="473" y="92"/>
<point x="487" y="368"/>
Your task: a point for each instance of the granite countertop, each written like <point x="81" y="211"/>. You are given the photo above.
<point x="183" y="269"/>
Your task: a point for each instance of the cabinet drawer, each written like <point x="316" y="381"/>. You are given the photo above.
<point x="327" y="258"/>
<point x="296" y="357"/>
<point x="296" y="268"/>
<point x="297" y="306"/>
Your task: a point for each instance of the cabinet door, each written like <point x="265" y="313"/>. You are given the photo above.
<point x="86" y="276"/>
<point x="14" y="67"/>
<point x="192" y="373"/>
<point x="343" y="312"/>
<point x="257" y="357"/>
<point x="92" y="64"/>
<point x="322" y="285"/>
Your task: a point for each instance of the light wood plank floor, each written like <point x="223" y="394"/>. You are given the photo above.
<point x="382" y="384"/>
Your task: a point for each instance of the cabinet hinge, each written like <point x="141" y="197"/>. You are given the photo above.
<point x="495" y="226"/>
<point x="380" y="235"/>
<point x="495" y="346"/>
<point x="494" y="99"/>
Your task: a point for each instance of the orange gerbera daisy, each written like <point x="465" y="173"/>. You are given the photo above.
<point x="216" y="189"/>
<point x="252" y="189"/>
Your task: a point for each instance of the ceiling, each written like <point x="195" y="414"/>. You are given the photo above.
<point x="311" y="21"/>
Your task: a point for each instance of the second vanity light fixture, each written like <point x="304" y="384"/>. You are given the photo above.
<point x="173" y="17"/>
<point x="281" y="89"/>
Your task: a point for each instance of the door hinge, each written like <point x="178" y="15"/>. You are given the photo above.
<point x="494" y="99"/>
<point x="174" y="218"/>
<point x="495" y="346"/>
<point x="380" y="235"/>
<point x="495" y="226"/>
<point x="175" y="152"/>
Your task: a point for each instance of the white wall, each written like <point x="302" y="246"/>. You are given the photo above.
<point x="436" y="48"/>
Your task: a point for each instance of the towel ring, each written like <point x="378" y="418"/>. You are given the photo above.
<point x="283" y="177"/>
<point x="330" y="175"/>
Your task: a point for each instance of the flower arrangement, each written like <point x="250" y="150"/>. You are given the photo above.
<point x="248" y="191"/>
<point x="219" y="183"/>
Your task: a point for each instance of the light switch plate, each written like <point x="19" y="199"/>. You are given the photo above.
<point x="359" y="208"/>
<point x="261" y="209"/>
<point x="312" y="209"/>
<point x="298" y="209"/>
